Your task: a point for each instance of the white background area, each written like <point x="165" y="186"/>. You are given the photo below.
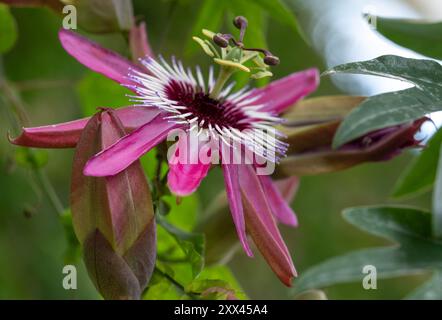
<point x="338" y="31"/>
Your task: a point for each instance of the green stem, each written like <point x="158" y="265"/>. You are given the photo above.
<point x="19" y="109"/>
<point x="224" y="75"/>
<point x="15" y="102"/>
<point x="49" y="191"/>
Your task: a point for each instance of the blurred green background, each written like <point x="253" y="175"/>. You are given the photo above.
<point x="56" y="88"/>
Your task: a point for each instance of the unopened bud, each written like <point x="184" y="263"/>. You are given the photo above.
<point x="271" y="60"/>
<point x="240" y="22"/>
<point x="220" y="40"/>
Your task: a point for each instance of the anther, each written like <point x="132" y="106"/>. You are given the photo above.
<point x="271" y="60"/>
<point x="240" y="22"/>
<point x="221" y="40"/>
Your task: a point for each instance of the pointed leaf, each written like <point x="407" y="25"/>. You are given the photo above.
<point x="192" y="245"/>
<point x="421" y="174"/>
<point x="411" y="228"/>
<point x="392" y="108"/>
<point x="430" y="290"/>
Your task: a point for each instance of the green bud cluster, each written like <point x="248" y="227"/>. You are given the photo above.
<point x="231" y="56"/>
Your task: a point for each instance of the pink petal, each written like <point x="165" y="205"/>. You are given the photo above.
<point x="185" y="175"/>
<point x="97" y="58"/>
<point x="128" y="149"/>
<point x="233" y="190"/>
<point x="62" y="135"/>
<point x="288" y="187"/>
<point x="139" y="44"/>
<point x="285" y="92"/>
<point x="66" y="135"/>
<point x="280" y="208"/>
<point x="262" y="226"/>
<point x="134" y="117"/>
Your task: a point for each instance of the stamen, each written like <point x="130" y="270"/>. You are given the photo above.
<point x="221" y="40"/>
<point x="271" y="60"/>
<point x="185" y="100"/>
<point x="241" y="23"/>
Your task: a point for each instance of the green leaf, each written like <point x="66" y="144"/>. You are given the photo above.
<point x="399" y="224"/>
<point x="96" y="91"/>
<point x="411" y="228"/>
<point x="182" y="215"/>
<point x="420" y="36"/>
<point x="437" y="200"/>
<point x="392" y="108"/>
<point x="8" y="29"/>
<point x="210" y="289"/>
<point x="420" y="176"/>
<point x="430" y="290"/>
<point x="222" y="273"/>
<point x="161" y="288"/>
<point x="192" y="244"/>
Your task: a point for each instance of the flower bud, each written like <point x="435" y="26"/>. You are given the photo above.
<point x="271" y="60"/>
<point x="220" y="40"/>
<point x="311" y="125"/>
<point x="112" y="216"/>
<point x="240" y="22"/>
